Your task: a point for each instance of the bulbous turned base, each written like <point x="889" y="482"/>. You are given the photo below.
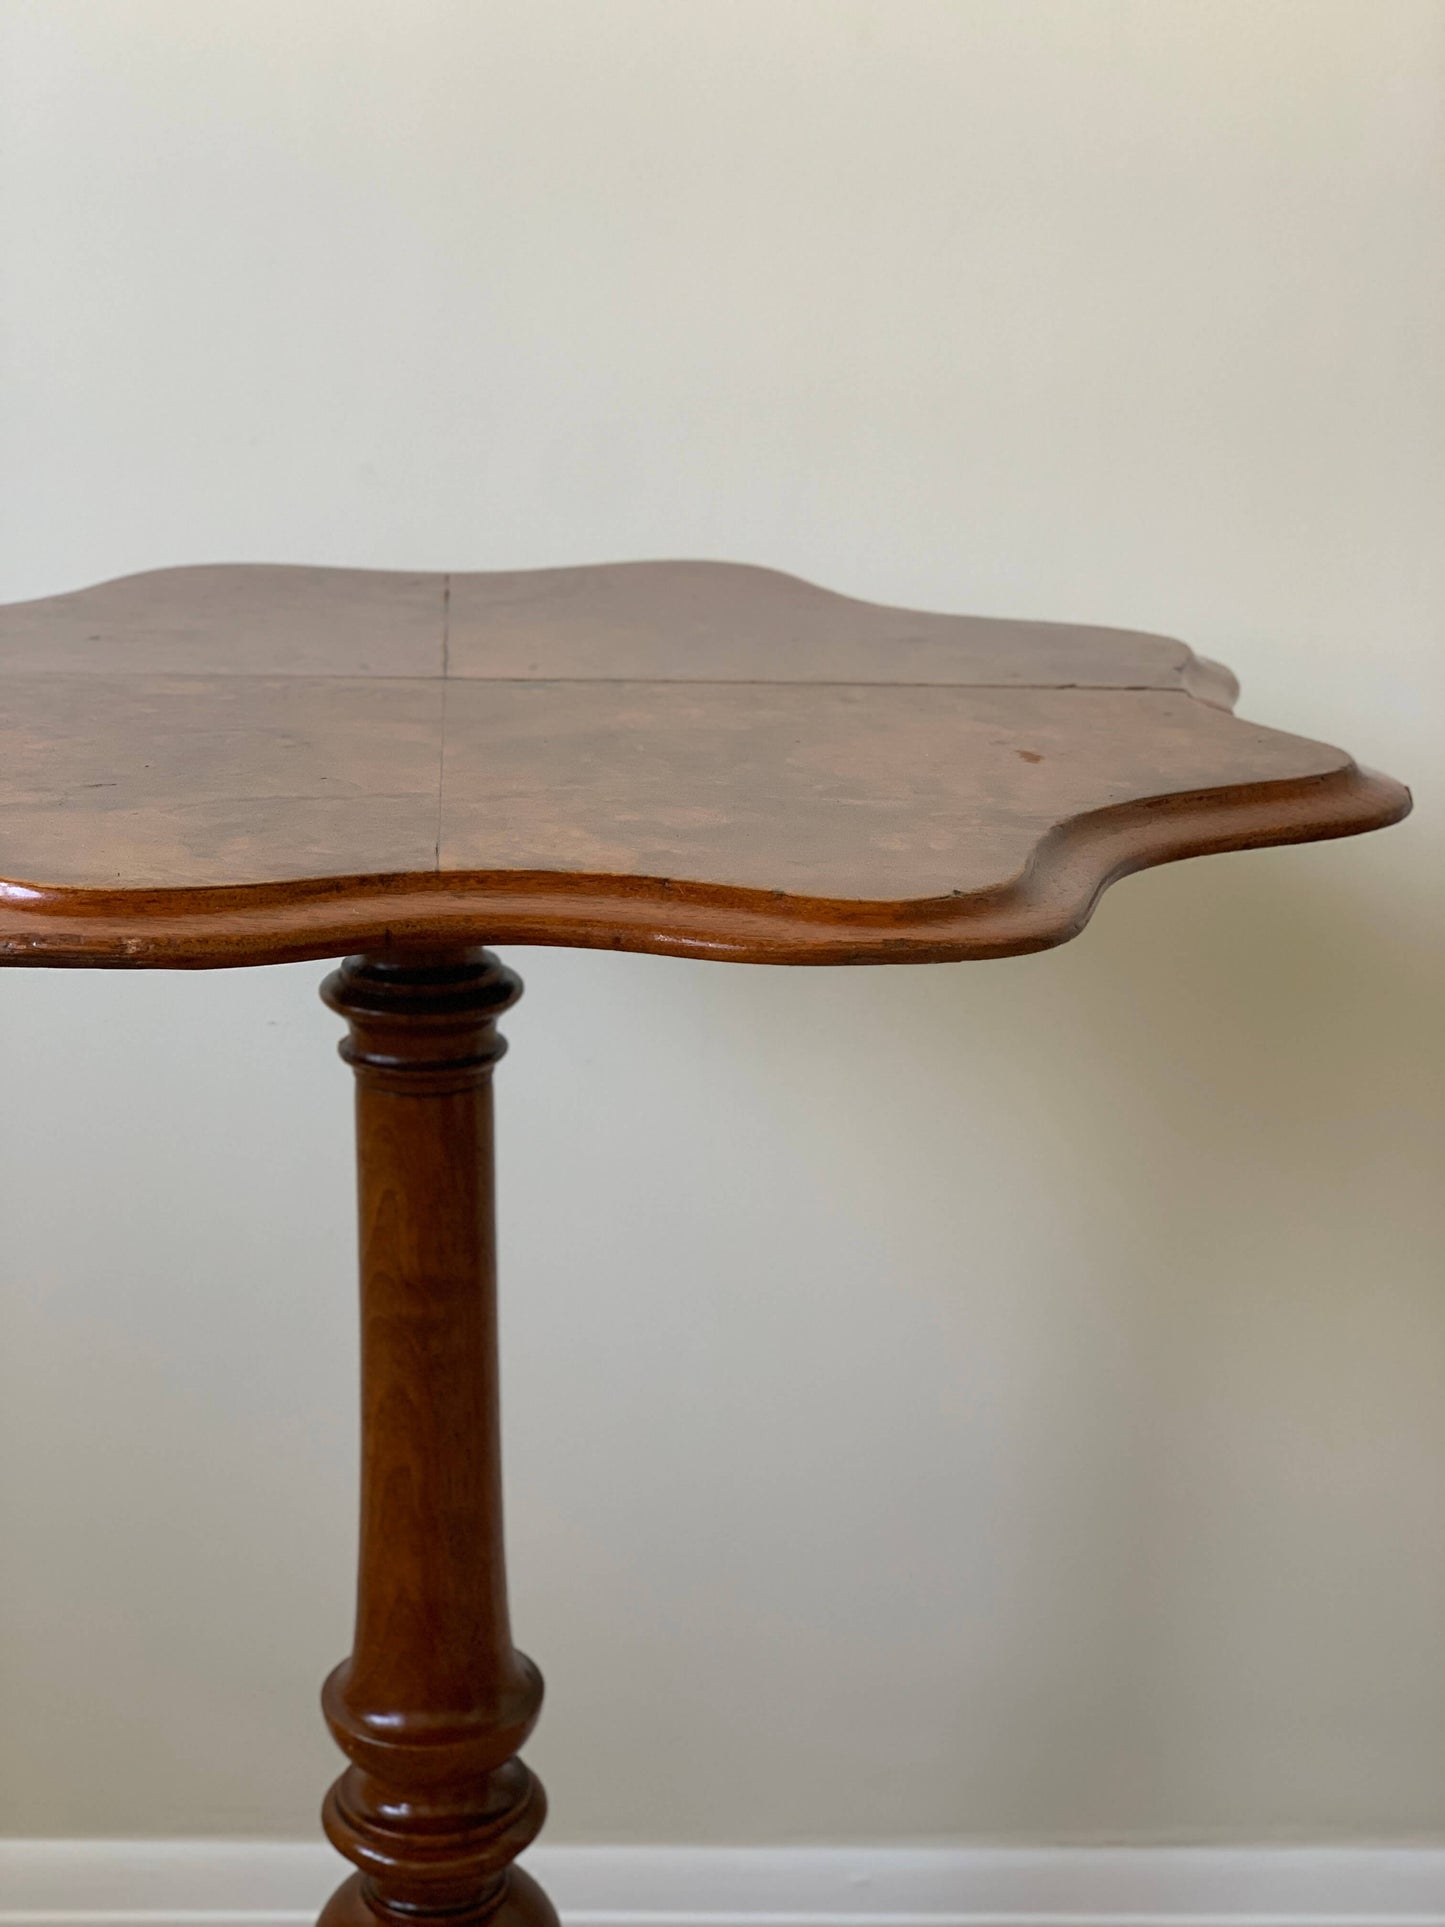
<point x="522" y="1904"/>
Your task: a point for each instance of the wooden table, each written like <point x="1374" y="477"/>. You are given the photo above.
<point x="248" y="765"/>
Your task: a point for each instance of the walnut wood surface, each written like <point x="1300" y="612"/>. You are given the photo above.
<point x="434" y="1701"/>
<point x="246" y="764"/>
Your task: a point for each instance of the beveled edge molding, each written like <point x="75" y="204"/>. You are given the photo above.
<point x="1049" y="902"/>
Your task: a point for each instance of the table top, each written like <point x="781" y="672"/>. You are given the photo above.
<point x="249" y="764"/>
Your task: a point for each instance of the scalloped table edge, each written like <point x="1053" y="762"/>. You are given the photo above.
<point x="1047" y="904"/>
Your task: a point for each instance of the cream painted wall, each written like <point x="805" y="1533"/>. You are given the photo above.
<point x="993" y="1401"/>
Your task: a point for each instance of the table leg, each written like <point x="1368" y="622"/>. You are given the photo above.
<point x="434" y="1702"/>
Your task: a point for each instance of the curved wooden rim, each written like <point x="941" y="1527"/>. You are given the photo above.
<point x="1046" y="904"/>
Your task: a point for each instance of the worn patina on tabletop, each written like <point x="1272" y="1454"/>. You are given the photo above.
<point x="247" y="765"/>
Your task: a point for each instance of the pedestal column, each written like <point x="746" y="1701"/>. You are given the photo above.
<point x="434" y="1702"/>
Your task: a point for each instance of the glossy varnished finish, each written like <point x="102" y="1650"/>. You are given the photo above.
<point x="244" y="765"/>
<point x="434" y="1702"/>
<point x="248" y="764"/>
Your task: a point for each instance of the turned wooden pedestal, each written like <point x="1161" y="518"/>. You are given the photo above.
<point x="251" y="765"/>
<point x="435" y="1701"/>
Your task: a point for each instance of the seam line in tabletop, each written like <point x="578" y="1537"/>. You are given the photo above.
<point x="617" y="682"/>
<point x="822" y="682"/>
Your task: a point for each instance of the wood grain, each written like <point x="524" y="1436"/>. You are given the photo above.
<point x="434" y="1701"/>
<point x="253" y="620"/>
<point x="244" y="765"/>
<point x="180" y="782"/>
<point x="669" y="621"/>
<point x="697" y="758"/>
<point x="726" y="622"/>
